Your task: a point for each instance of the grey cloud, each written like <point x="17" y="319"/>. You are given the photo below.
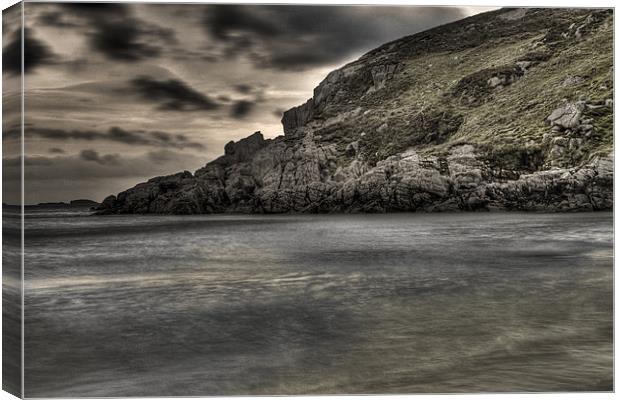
<point x="116" y="134"/>
<point x="94" y="156"/>
<point x="299" y="37"/>
<point x="243" y="88"/>
<point x="112" y="29"/>
<point x="56" y="150"/>
<point x="241" y="109"/>
<point x="257" y="91"/>
<point x="172" y="94"/>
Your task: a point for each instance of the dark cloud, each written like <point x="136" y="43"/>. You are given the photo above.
<point x="116" y="134"/>
<point x="278" y="112"/>
<point x="119" y="40"/>
<point x="36" y="53"/>
<point x="241" y="109"/>
<point x="298" y="37"/>
<point x="56" y="150"/>
<point x="257" y="90"/>
<point x="94" y="156"/>
<point x="172" y="94"/>
<point x="124" y="136"/>
<point x="223" y="20"/>
<point x="113" y="30"/>
<point x="163" y="136"/>
<point x="243" y="88"/>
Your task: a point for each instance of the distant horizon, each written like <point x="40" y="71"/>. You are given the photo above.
<point x="50" y="203"/>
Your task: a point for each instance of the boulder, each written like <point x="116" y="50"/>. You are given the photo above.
<point x="567" y="116"/>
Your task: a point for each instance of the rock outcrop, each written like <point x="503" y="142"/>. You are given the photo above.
<point x="475" y="115"/>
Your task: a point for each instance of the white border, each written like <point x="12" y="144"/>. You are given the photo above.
<point x="487" y="3"/>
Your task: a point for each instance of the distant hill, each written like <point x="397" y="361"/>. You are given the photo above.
<point x="508" y="110"/>
<point x="72" y="203"/>
<point x="83" y="202"/>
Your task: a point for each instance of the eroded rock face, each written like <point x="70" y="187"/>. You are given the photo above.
<point x="354" y="79"/>
<point x="297" y="116"/>
<point x="382" y="73"/>
<point x="244" y="149"/>
<point x="588" y="188"/>
<point x="303" y="177"/>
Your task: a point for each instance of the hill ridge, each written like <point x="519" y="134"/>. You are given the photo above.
<point x="515" y="115"/>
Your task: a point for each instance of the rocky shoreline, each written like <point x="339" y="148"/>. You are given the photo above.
<point x="405" y="182"/>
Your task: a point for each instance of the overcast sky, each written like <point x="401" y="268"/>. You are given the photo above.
<point x="119" y="93"/>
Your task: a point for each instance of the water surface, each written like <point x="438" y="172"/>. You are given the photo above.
<point x="399" y="303"/>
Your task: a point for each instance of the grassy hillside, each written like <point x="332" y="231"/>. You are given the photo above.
<point x="444" y="92"/>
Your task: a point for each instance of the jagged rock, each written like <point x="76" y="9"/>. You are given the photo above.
<point x="297" y="117"/>
<point x="383" y="73"/>
<point x="244" y="149"/>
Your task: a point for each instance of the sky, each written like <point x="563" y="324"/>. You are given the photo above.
<point x="118" y="93"/>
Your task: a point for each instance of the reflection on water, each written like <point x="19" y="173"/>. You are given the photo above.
<point x="405" y="303"/>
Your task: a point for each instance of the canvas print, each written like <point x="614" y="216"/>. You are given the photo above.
<point x="205" y="200"/>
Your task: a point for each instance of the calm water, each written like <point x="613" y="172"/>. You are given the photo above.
<point x="404" y="303"/>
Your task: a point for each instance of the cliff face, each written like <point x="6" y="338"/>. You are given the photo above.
<point x="507" y="110"/>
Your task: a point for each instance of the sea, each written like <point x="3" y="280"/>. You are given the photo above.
<point x="136" y="305"/>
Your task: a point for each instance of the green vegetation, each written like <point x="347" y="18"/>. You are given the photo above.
<point x="476" y="88"/>
<point x="423" y="107"/>
<point x="426" y="127"/>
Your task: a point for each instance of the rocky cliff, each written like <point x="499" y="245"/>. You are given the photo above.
<point x="507" y="110"/>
